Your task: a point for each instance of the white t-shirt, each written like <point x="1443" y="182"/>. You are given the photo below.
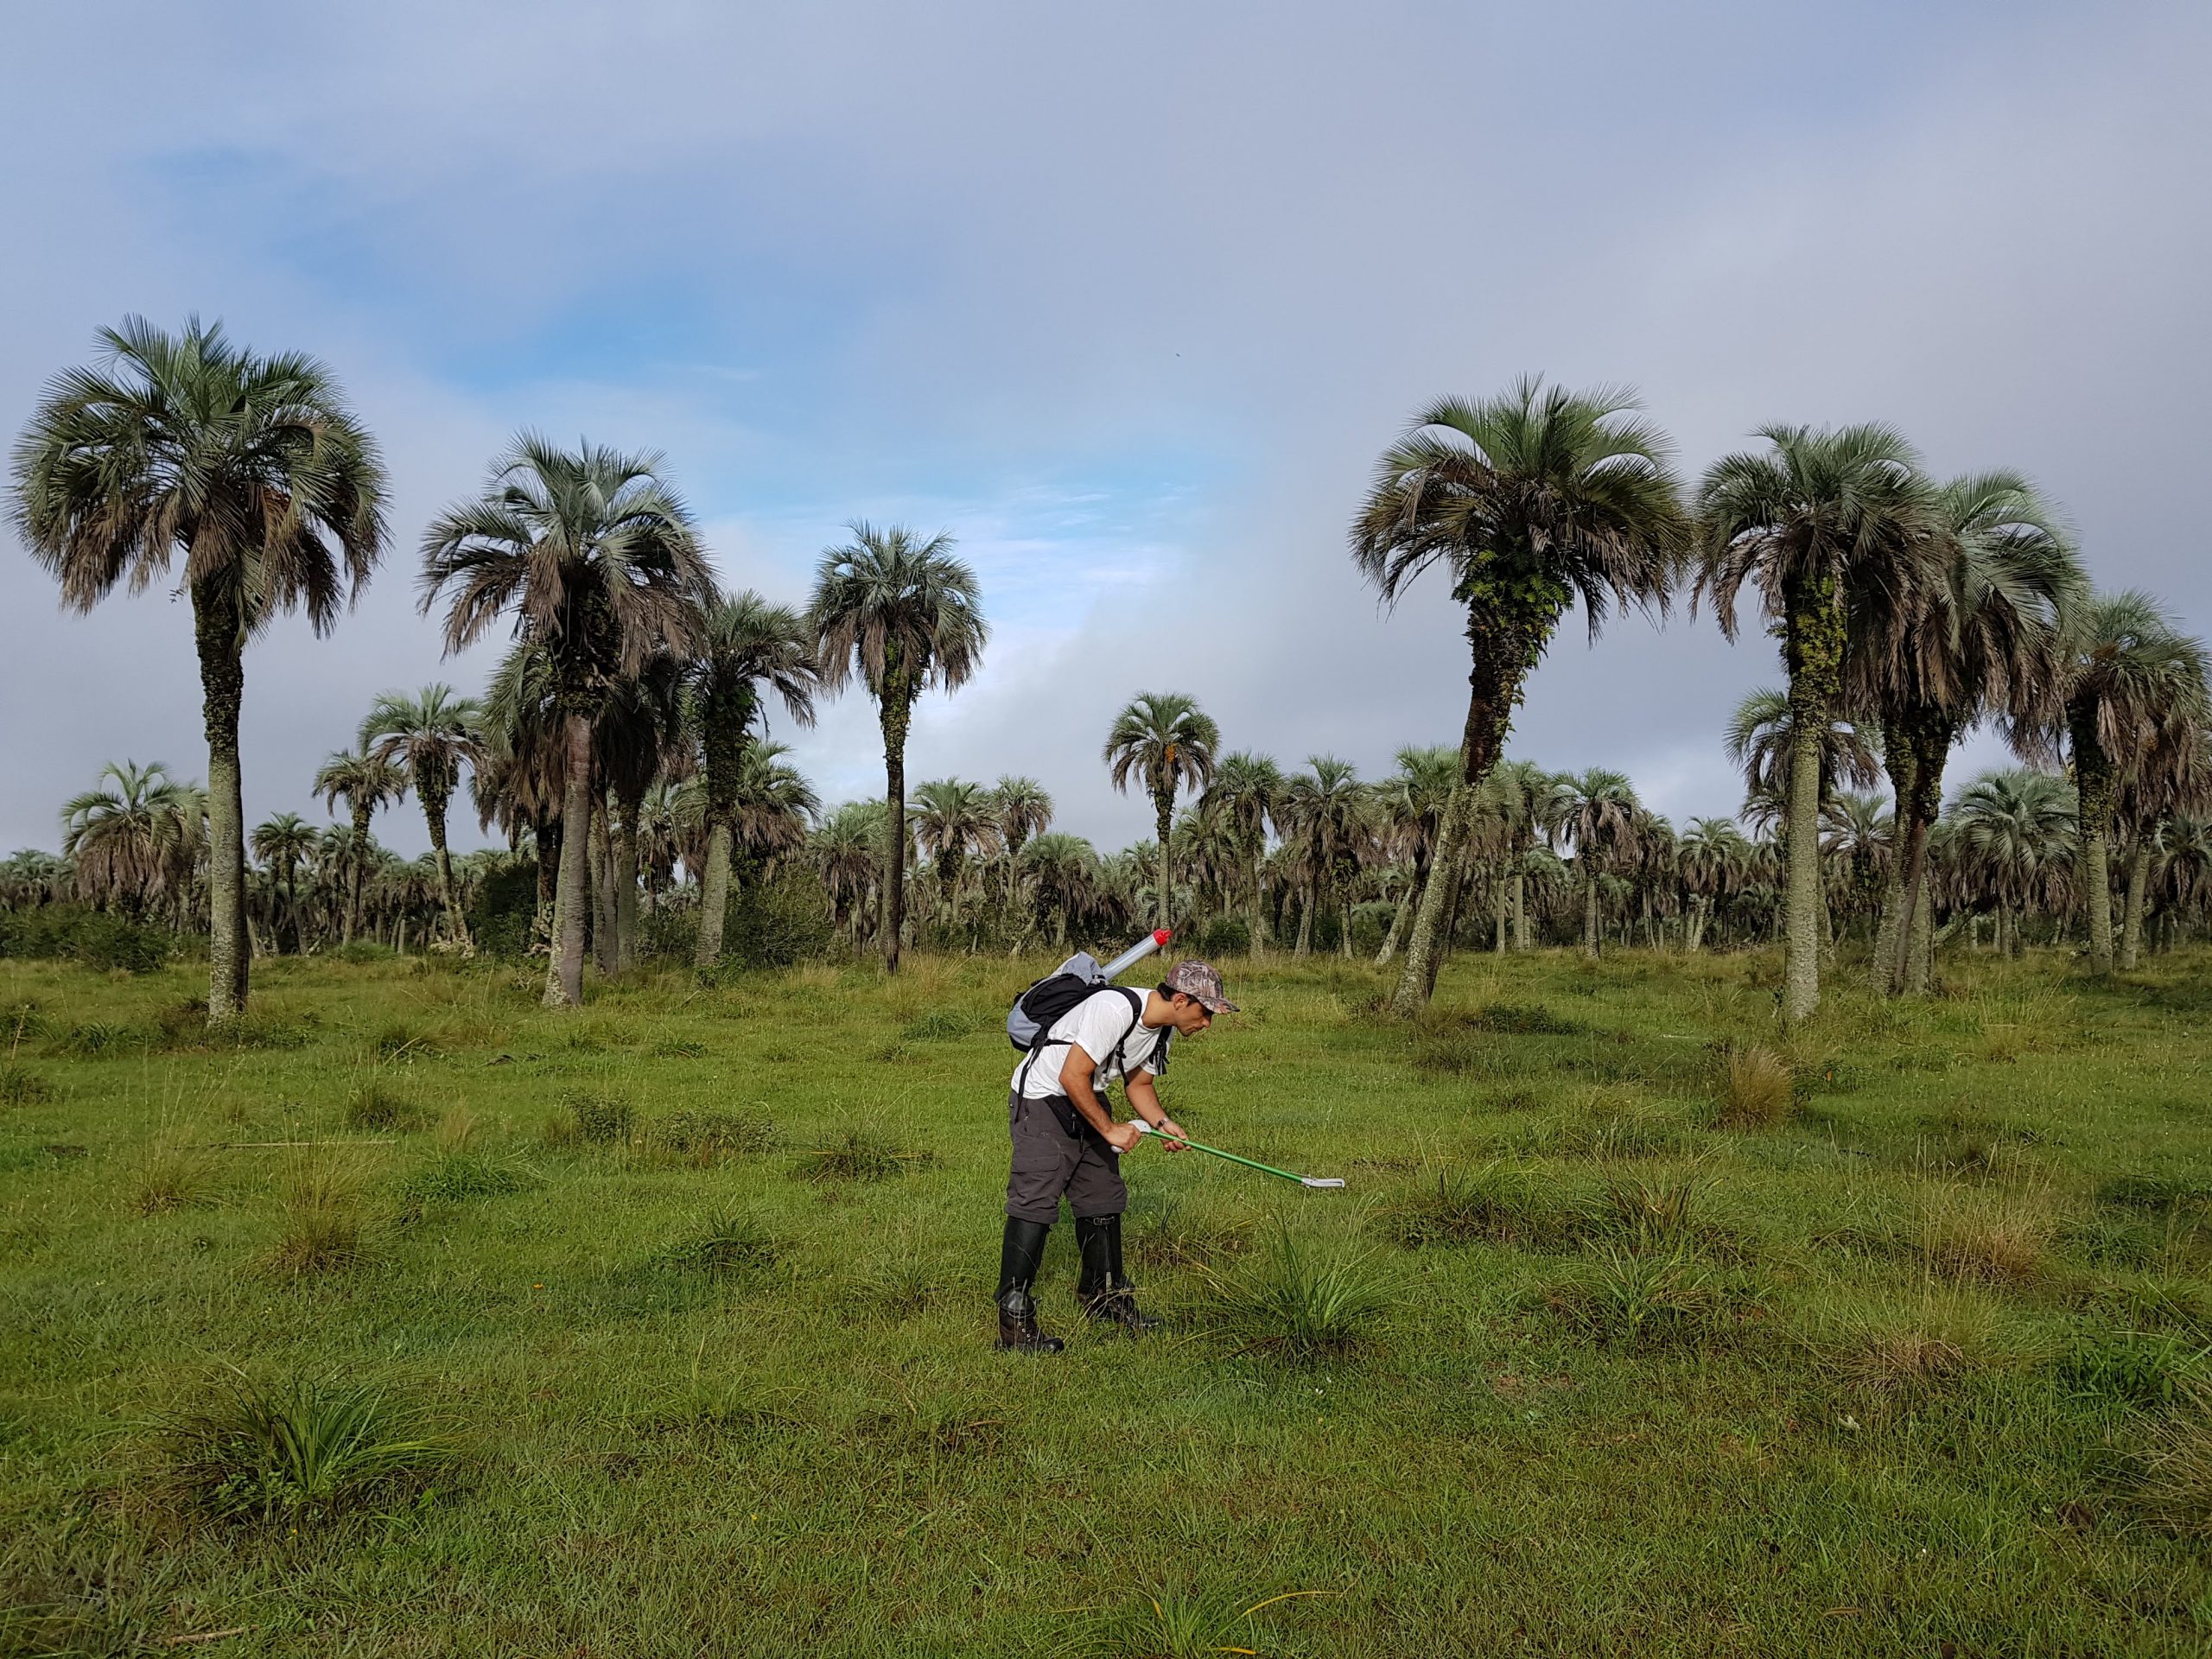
<point x="1096" y="1023"/>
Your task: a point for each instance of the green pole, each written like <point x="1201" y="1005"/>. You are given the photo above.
<point x="1249" y="1163"/>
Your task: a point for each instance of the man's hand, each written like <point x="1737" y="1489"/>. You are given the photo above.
<point x="1172" y="1132"/>
<point x="1123" y="1137"/>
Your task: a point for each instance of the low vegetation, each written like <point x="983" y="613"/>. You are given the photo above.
<point x="522" y="1331"/>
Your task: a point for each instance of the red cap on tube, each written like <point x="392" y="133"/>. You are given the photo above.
<point x="1162" y="936"/>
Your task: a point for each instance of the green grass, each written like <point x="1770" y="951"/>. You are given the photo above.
<point x="409" y="1318"/>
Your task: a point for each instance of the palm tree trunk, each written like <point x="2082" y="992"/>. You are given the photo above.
<point x="2095" y="791"/>
<point x="626" y="885"/>
<point x="434" y="815"/>
<point x="1590" y="914"/>
<point x="2139" y="878"/>
<point x="357" y="858"/>
<point x="1693" y="927"/>
<point x="1814" y="646"/>
<point x="602" y="892"/>
<point x="1920" y="945"/>
<point x="1520" y="907"/>
<point x="1259" y="918"/>
<point x="898" y="712"/>
<point x="1305" y="924"/>
<point x="218" y="633"/>
<point x="1163" y="808"/>
<point x="564" y="973"/>
<point x="1896" y="757"/>
<point x="1498" y="907"/>
<point x="714" y="898"/>
<point x="1343" y="921"/>
<point x="1421" y="950"/>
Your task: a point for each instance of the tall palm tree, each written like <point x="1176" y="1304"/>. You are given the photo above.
<point x="284" y="843"/>
<point x="1596" y="813"/>
<point x="953" y="820"/>
<point x="1021" y="808"/>
<point x="640" y="738"/>
<point x="1820" y="525"/>
<point x="364" y="782"/>
<point x="1065" y="877"/>
<point x="2166" y="780"/>
<point x="134" y="838"/>
<point x="1985" y="638"/>
<point x="749" y="646"/>
<point x="1246" y="792"/>
<point x="255" y="470"/>
<point x="432" y="734"/>
<point x="846" y="850"/>
<point x="2133" y="682"/>
<point x="1165" y="740"/>
<point x="31" y="877"/>
<point x="1530" y="501"/>
<point x="900" y="615"/>
<point x="594" y="554"/>
<point x="1761" y="739"/>
<point x="1411" y="804"/>
<point x="1714" y="853"/>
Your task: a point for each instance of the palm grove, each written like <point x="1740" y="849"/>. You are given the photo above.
<point x="621" y="744"/>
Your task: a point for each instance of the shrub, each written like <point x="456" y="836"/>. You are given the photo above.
<point x="503" y="919"/>
<point x="1224" y="935"/>
<point x="94" y="1040"/>
<point x="775" y="924"/>
<point x="298" y="1446"/>
<point x="100" y="939"/>
<point x="458" y="1175"/>
<point x="1757" y="1089"/>
<point x="724" y="1245"/>
<point x="863" y="1154"/>
<point x="706" y="1135"/>
<point x="1300" y="1304"/>
<point x="20" y="1086"/>
<point x="375" y="1108"/>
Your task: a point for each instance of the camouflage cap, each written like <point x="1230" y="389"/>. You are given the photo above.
<point x="1200" y="983"/>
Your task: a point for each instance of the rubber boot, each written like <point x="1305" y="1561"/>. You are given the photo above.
<point x="1104" y="1291"/>
<point x="1023" y="1249"/>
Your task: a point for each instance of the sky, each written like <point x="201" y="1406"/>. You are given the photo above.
<point x="1125" y="299"/>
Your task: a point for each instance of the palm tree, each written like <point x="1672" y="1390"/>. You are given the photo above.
<point x="594" y="554"/>
<point x="1530" y="500"/>
<point x="32" y="877"/>
<point x="1761" y="739"/>
<point x="364" y="782"/>
<point x="900" y="615"/>
<point x="1818" y="523"/>
<point x="134" y="840"/>
<point x="284" y="843"/>
<point x="1412" y="804"/>
<point x="639" y="739"/>
<point x="2133" y="682"/>
<point x="1246" y="793"/>
<point x="953" y="819"/>
<point x="1065" y="877"/>
<point x="1021" y="808"/>
<point x="2167" y="780"/>
<point x="749" y="646"/>
<point x="1597" y="813"/>
<point x="1985" y="638"/>
<point x="1713" y="856"/>
<point x="1166" y="740"/>
<point x="2016" y="827"/>
<point x="1329" y="818"/>
<point x="847" y="849"/>
<point x="252" y="467"/>
<point x="1859" y="838"/>
<point x="433" y="734"/>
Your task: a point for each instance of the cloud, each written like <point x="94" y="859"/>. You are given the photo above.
<point x="1126" y="300"/>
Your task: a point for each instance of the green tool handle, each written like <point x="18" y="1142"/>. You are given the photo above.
<point x="1199" y="1146"/>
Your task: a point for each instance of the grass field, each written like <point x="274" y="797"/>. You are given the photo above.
<point x="665" y="1329"/>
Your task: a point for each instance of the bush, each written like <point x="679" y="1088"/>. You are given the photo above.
<point x="503" y="920"/>
<point x="99" y="939"/>
<point x="1223" y="936"/>
<point x="298" y="1446"/>
<point x="775" y="924"/>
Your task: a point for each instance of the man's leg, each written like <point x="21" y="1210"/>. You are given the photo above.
<point x="1042" y="1157"/>
<point x="1098" y="1196"/>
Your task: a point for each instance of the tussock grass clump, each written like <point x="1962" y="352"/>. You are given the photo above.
<point x="1756" y="1088"/>
<point x="1523" y="1019"/>
<point x="20" y="1086"/>
<point x="2159" y="1194"/>
<point x="1614" y="1136"/>
<point x="940" y="1026"/>
<point x="455" y="1175"/>
<point x="377" y="1108"/>
<point x="1945" y="1336"/>
<point x="705" y="1137"/>
<point x="1996" y="1236"/>
<point x="171" y="1176"/>
<point x="321" y="1194"/>
<point x="1169" y="1233"/>
<point x="1179" y="1623"/>
<point x="298" y="1446"/>
<point x="1301" y="1303"/>
<point x="1652" y="1300"/>
<point x="2145" y="1369"/>
<point x="93" y="1040"/>
<point x="863" y="1155"/>
<point x="402" y="1042"/>
<point x="2176" y="1489"/>
<point x="1454" y="1203"/>
<point x="1658" y="1214"/>
<point x="595" y="1120"/>
<point x="457" y="1127"/>
<point x="679" y="1048"/>
<point x="724" y="1245"/>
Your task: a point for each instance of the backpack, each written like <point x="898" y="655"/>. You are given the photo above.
<point x="1040" y="1008"/>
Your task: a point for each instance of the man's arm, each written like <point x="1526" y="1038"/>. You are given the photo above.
<point x="1077" y="1073"/>
<point x="1144" y="1100"/>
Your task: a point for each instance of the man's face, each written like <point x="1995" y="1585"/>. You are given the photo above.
<point x="1190" y="1015"/>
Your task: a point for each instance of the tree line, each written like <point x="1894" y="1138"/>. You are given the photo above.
<point x="622" y="747"/>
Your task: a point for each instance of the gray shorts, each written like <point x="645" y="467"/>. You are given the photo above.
<point x="1049" y="1162"/>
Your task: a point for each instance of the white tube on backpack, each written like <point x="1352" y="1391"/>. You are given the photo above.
<point x="1135" y="954"/>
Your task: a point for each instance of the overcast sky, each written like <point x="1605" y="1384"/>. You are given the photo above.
<point x="1127" y="298"/>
